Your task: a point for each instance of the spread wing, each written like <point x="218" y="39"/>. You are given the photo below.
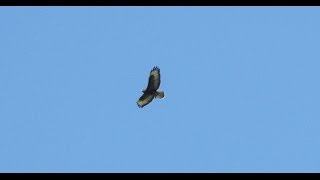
<point x="154" y="79"/>
<point x="145" y="99"/>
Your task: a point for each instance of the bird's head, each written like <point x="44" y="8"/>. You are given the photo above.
<point x="143" y="90"/>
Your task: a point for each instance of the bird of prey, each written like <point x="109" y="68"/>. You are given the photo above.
<point x="151" y="92"/>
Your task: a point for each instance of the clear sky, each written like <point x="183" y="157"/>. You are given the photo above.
<point x="241" y="84"/>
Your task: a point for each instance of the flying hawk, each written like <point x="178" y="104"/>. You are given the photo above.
<point x="151" y="92"/>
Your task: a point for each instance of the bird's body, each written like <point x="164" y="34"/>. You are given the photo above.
<point x="151" y="92"/>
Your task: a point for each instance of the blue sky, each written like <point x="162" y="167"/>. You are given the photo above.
<point x="241" y="85"/>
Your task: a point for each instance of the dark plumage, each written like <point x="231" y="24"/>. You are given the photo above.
<point x="151" y="92"/>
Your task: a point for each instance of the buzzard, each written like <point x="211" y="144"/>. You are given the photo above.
<point x="151" y="92"/>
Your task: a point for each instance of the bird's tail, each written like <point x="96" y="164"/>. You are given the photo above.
<point x="160" y="94"/>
